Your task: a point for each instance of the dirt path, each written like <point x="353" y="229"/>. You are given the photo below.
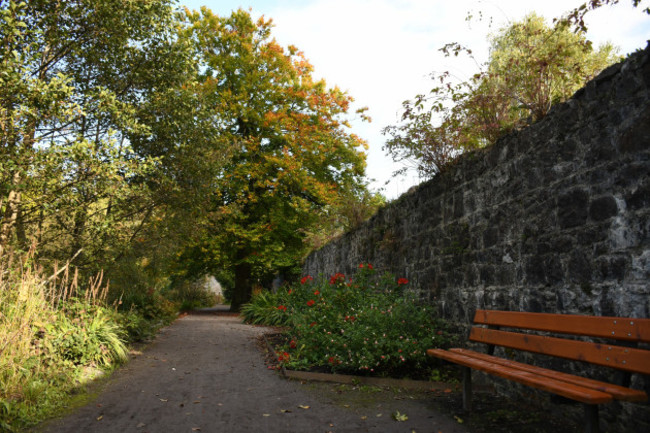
<point x="206" y="374"/>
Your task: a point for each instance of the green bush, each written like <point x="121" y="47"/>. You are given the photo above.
<point x="264" y="309"/>
<point x="366" y="325"/>
<point x="143" y="313"/>
<point x="84" y="334"/>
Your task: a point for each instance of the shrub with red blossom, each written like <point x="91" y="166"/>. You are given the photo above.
<point x="369" y="324"/>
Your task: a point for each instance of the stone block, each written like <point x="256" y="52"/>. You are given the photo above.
<point x="572" y="208"/>
<point x="603" y="208"/>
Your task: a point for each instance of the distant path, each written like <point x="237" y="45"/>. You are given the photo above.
<point x="204" y="374"/>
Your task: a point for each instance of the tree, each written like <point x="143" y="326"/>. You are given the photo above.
<point x="291" y="155"/>
<point x="531" y="67"/>
<point x="89" y="158"/>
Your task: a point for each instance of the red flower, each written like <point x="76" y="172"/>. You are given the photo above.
<point x="283" y="357"/>
<point x="304" y="280"/>
<point x="370" y="266"/>
<point x="282" y="308"/>
<point x="292" y="344"/>
<point x="402" y="281"/>
<point x="337" y="278"/>
<point x="361" y="266"/>
<point x="316" y="293"/>
<point x="312" y="324"/>
<point x="310" y="302"/>
<point x="332" y="360"/>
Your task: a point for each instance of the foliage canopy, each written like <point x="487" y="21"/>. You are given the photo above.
<point x="291" y="155"/>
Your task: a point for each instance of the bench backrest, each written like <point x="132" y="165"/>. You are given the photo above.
<point x="609" y="355"/>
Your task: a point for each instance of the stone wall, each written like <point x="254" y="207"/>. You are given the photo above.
<point x="552" y="218"/>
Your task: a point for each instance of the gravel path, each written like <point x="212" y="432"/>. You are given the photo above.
<point x="205" y="373"/>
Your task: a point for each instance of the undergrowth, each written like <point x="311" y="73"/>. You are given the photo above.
<point x="369" y="324"/>
<point x="50" y="332"/>
<point x="56" y="335"/>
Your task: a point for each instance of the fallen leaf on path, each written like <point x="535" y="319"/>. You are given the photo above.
<point x="285" y="411"/>
<point x="459" y="419"/>
<point x="346" y="405"/>
<point x="448" y="390"/>
<point x="397" y="416"/>
<point x="266" y="414"/>
<point x="196" y="402"/>
<point x="364" y="418"/>
<point x="141" y="425"/>
<point x="99" y="405"/>
<point x="99" y="418"/>
<point x="303" y="407"/>
<point x="163" y="399"/>
<point x="378" y="415"/>
<point x="196" y="428"/>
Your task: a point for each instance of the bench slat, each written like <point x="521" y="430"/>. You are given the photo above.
<point x="618" y="328"/>
<point x="622" y="358"/>
<point x="619" y="392"/>
<point x="565" y="389"/>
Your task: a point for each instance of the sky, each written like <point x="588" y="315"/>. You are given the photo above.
<point x="382" y="52"/>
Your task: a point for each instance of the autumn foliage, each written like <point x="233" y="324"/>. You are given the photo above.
<point x="291" y="157"/>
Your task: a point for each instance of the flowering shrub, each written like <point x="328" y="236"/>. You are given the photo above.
<point x="368" y="324"/>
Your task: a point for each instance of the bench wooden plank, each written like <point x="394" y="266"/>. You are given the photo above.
<point x="565" y="389"/>
<point x="619" y="392"/>
<point x="622" y="358"/>
<point x="619" y="328"/>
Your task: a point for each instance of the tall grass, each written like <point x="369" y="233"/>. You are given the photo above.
<point x="50" y="330"/>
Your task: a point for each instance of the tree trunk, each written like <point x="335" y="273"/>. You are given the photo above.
<point x="243" y="287"/>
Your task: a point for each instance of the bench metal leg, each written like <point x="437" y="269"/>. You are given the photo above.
<point x="467" y="389"/>
<point x="591" y="418"/>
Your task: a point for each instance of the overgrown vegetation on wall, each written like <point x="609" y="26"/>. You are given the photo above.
<point x="531" y="67"/>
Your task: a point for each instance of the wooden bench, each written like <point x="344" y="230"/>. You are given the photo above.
<point x="628" y="358"/>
